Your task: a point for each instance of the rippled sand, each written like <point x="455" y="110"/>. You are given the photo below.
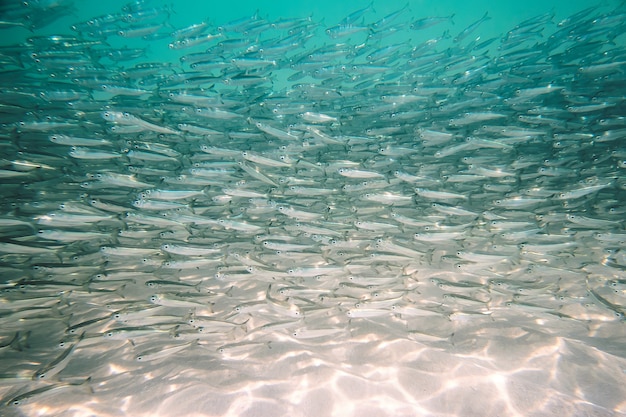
<point x="501" y="364"/>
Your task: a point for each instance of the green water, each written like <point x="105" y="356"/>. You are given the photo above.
<point x="504" y="16"/>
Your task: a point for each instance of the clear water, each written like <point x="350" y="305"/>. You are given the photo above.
<point x="434" y="239"/>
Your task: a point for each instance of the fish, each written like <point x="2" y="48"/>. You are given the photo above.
<point x="57" y="365"/>
<point x="427" y="22"/>
<point x="46" y="390"/>
<point x="163" y="352"/>
<point x="471" y="28"/>
<point x="215" y="205"/>
<point x="283" y="307"/>
<point x="125" y="118"/>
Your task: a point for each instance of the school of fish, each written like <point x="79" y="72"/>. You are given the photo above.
<point x="312" y="218"/>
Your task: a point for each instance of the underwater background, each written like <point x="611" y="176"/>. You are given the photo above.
<point x="270" y="208"/>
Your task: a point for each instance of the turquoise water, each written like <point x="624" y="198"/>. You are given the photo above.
<point x="505" y="15"/>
